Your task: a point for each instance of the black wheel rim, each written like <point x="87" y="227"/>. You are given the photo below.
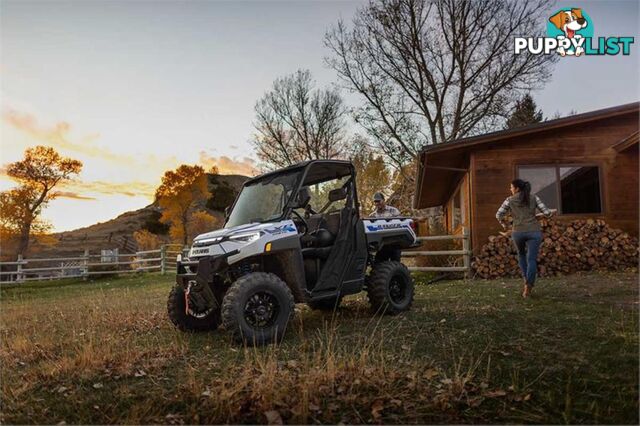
<point x="261" y="310"/>
<point x="397" y="289"/>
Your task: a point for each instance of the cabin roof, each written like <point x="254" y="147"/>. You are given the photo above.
<point x="441" y="166"/>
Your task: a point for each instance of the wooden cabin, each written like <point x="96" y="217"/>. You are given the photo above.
<point x="585" y="165"/>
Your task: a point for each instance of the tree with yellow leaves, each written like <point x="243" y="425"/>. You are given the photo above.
<point x="146" y="240"/>
<point x="38" y="173"/>
<point x="201" y="222"/>
<point x="372" y="176"/>
<point x="178" y="195"/>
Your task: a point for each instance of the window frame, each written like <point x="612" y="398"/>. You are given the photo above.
<point x="455" y="224"/>
<point x="449" y="213"/>
<point x="558" y="166"/>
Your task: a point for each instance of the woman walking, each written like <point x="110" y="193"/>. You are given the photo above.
<point x="526" y="232"/>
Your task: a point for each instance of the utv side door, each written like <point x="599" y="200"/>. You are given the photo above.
<point x="344" y="270"/>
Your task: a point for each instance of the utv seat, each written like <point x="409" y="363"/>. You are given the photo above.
<point x="322" y="230"/>
<point x="316" y="253"/>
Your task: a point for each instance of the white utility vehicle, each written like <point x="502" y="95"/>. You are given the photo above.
<point x="292" y="236"/>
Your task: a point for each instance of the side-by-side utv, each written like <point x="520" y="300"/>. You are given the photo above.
<point x="292" y="236"/>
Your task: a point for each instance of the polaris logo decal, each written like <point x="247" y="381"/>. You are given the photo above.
<point x="200" y="251"/>
<point x="283" y="229"/>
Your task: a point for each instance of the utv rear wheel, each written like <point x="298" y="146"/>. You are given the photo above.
<point x="330" y="304"/>
<point x="257" y="308"/>
<point x="390" y="288"/>
<point x="176" y="309"/>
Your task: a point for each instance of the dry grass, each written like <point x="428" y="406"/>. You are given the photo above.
<point x="104" y="352"/>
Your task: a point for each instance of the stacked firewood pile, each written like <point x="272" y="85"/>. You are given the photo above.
<point x="581" y="245"/>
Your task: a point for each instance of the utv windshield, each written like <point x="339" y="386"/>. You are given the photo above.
<point x="264" y="200"/>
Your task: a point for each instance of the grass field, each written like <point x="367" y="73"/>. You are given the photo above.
<point x="104" y="352"/>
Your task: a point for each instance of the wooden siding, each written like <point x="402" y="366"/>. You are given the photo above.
<point x="493" y="166"/>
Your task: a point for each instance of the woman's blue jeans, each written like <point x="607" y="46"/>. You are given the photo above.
<point x="528" y="244"/>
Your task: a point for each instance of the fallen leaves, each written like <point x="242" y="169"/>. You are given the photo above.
<point x="273" y="417"/>
<point x="499" y="393"/>
<point x="376" y="409"/>
<point x="430" y="374"/>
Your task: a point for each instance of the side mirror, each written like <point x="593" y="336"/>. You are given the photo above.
<point x="337" y="194"/>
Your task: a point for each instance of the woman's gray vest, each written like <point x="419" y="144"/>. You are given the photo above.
<point x="524" y="215"/>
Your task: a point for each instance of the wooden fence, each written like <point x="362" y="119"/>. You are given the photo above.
<point x="164" y="259"/>
<point x="465" y="254"/>
<point x="39" y="269"/>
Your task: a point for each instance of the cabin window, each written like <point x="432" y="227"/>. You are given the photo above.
<point x="457" y="210"/>
<point x="544" y="183"/>
<point x="580" y="190"/>
<point x="570" y="189"/>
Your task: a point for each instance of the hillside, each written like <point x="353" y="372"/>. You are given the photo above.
<point x="118" y="232"/>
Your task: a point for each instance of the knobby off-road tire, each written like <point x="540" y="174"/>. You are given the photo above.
<point x="390" y="288"/>
<point x="257" y="309"/>
<point x="184" y="322"/>
<point x="329" y="304"/>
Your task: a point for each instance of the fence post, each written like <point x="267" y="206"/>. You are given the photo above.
<point x="163" y="259"/>
<point x="19" y="276"/>
<point x="466" y="257"/>
<point x="85" y="265"/>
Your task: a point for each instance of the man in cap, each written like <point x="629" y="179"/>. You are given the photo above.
<point x="382" y="209"/>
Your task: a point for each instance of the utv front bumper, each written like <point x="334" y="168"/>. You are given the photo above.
<point x="201" y="270"/>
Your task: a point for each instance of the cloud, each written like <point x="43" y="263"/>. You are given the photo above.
<point x="78" y="189"/>
<point x="130" y="189"/>
<point x="229" y="166"/>
<point x="58" y="136"/>
<point x="74" y="196"/>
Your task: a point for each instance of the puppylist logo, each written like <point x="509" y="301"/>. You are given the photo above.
<point x="570" y="33"/>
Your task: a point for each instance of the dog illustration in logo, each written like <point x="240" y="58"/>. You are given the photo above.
<point x="569" y="21"/>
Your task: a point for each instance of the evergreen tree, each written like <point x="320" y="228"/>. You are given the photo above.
<point x="526" y="112"/>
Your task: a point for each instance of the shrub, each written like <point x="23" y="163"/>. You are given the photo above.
<point x="146" y="240"/>
<point x="223" y="196"/>
<point x="153" y="224"/>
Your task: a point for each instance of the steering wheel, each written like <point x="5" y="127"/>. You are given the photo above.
<point x="303" y="222"/>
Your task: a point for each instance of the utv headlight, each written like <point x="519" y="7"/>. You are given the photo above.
<point x="206" y="241"/>
<point x="245" y="238"/>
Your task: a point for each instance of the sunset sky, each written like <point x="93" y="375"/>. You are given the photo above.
<point x="135" y="88"/>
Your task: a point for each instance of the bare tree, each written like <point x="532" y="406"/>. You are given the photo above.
<point x="431" y="72"/>
<point x="296" y="122"/>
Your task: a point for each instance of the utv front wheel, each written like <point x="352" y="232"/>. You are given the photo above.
<point x="201" y="321"/>
<point x="257" y="308"/>
<point x="390" y="288"/>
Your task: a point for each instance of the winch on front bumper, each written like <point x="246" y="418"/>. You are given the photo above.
<point x="201" y="270"/>
<point x="201" y="280"/>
